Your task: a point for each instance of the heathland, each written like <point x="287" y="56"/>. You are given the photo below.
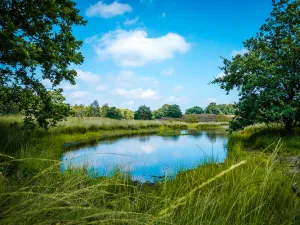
<point x="253" y="186"/>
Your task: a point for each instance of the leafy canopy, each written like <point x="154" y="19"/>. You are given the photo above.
<point x="174" y="111"/>
<point x="143" y="113"/>
<point x="194" y="110"/>
<point x="268" y="76"/>
<point x="95" y="109"/>
<point x="37" y="43"/>
<point x="114" y="113"/>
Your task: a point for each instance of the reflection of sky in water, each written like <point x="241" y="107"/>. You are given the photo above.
<point x="149" y="156"/>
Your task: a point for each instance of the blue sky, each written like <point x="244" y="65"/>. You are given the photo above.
<point x="154" y="52"/>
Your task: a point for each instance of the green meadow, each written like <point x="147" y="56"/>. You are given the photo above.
<point x="252" y="186"/>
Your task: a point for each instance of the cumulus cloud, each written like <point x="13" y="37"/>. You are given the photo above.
<point x="212" y="100"/>
<point x="174" y="99"/>
<point x="134" y="48"/>
<point x="130" y="103"/>
<point x="68" y="87"/>
<point x="89" y="40"/>
<point x="138" y="93"/>
<point x="87" y="76"/>
<point x="131" y="22"/>
<point x="220" y="75"/>
<point x="79" y="94"/>
<point x="168" y="72"/>
<point x="47" y="83"/>
<point x="239" y="52"/>
<point x="101" y="87"/>
<point x="177" y="88"/>
<point x="108" y="11"/>
<point x="128" y="78"/>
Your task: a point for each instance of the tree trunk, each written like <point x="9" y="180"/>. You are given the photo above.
<point x="289" y="125"/>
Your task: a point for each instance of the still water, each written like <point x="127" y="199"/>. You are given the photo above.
<point x="148" y="158"/>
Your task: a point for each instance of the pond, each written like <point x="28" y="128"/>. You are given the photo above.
<point x="149" y="158"/>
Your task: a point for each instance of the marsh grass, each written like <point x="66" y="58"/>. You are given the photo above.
<point x="261" y="137"/>
<point x="255" y="191"/>
<point x="248" y="188"/>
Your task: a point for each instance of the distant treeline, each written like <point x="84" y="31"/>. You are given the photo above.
<point x="145" y="113"/>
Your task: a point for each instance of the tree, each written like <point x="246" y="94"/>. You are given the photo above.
<point x="212" y="108"/>
<point x="95" y="109"/>
<point x="114" y="113"/>
<point x="143" y="113"/>
<point x="194" y="110"/>
<point x="78" y="110"/>
<point x="104" y="109"/>
<point x="174" y="111"/>
<point x="37" y="42"/>
<point x="161" y="112"/>
<point x="127" y="114"/>
<point x="268" y="76"/>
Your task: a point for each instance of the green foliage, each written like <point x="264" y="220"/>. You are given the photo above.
<point x="174" y="111"/>
<point x="190" y="118"/>
<point x="143" y="113"/>
<point x="104" y="109"/>
<point x="161" y="112"/>
<point x="212" y="108"/>
<point x="268" y="76"/>
<point x="114" y="113"/>
<point x="36" y="37"/>
<point x="95" y="109"/>
<point x="194" y="110"/>
<point x="127" y="114"/>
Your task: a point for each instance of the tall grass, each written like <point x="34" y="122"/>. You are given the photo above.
<point x="260" y="137"/>
<point x="258" y="192"/>
<point x="33" y="191"/>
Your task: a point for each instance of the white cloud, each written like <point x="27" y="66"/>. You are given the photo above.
<point x="138" y="93"/>
<point x="163" y="15"/>
<point x="130" y="103"/>
<point x="174" y="99"/>
<point x="79" y="94"/>
<point x="131" y="22"/>
<point x="89" y="40"/>
<point x="128" y="78"/>
<point x="212" y="100"/>
<point x="108" y="11"/>
<point x="220" y="75"/>
<point x="47" y="83"/>
<point x="239" y="52"/>
<point x="68" y="87"/>
<point x="177" y="88"/>
<point x="101" y="87"/>
<point x="134" y="48"/>
<point x="168" y="72"/>
<point x="87" y="77"/>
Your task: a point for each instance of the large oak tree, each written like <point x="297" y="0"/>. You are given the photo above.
<point x="268" y="76"/>
<point x="37" y="43"/>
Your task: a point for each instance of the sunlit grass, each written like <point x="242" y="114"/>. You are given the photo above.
<point x="34" y="191"/>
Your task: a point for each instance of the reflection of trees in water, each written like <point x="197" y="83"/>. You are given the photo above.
<point x="196" y="133"/>
<point x="144" y="139"/>
<point x="213" y="135"/>
<point x="173" y="137"/>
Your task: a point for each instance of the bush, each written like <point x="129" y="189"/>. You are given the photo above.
<point x="190" y="118"/>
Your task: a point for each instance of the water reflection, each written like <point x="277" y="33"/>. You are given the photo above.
<point x="149" y="157"/>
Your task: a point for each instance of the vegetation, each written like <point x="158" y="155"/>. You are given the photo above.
<point x="174" y="111"/>
<point x="194" y="110"/>
<point x="143" y="113"/>
<point x="32" y="189"/>
<point x="114" y="113"/>
<point x="26" y="40"/>
<point x="268" y="76"/>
